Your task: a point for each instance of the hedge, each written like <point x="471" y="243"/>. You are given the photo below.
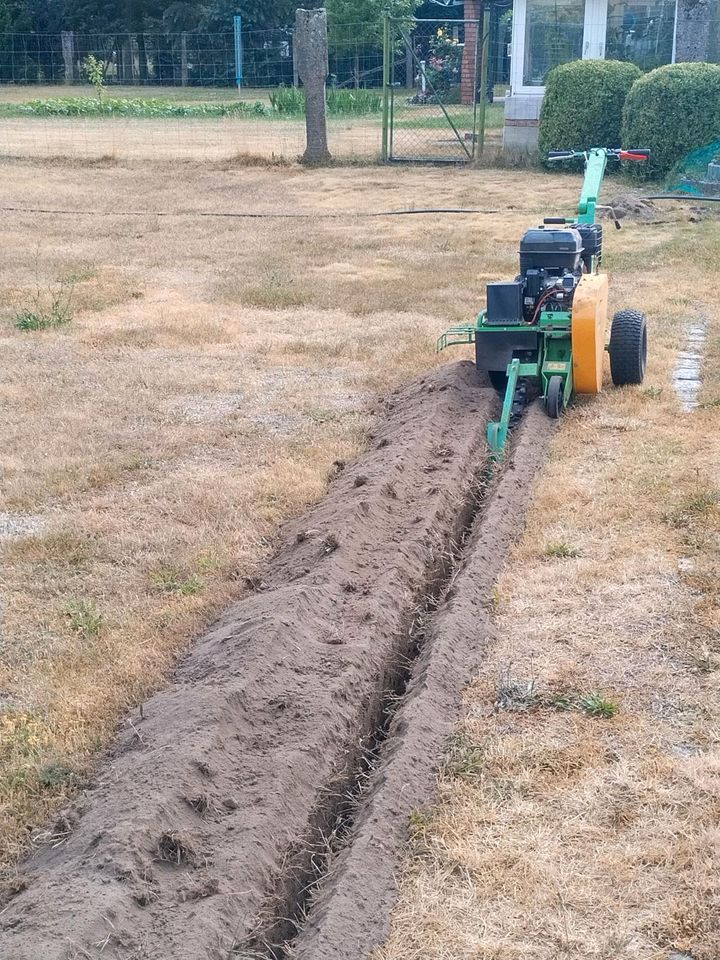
<point x="583" y="105"/>
<point x="672" y="111"/>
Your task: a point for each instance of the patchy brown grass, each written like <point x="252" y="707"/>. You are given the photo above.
<point x="212" y="372"/>
<point x="565" y="829"/>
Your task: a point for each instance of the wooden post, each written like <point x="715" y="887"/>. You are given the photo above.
<point x="68" y="52"/>
<point x="311" y="46"/>
<point x="409" y="64"/>
<point x="183" y="60"/>
<point x="296" y="77"/>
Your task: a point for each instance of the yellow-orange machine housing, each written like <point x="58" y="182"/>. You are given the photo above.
<point x="589" y="326"/>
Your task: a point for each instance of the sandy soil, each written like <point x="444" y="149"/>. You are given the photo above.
<point x="205" y="819"/>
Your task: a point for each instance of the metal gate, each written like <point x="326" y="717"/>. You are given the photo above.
<point x="434" y="91"/>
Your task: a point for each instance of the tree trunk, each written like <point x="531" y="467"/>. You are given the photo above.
<point x="311" y="45"/>
<point x="357" y="70"/>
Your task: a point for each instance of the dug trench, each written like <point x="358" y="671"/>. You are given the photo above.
<point x="259" y="805"/>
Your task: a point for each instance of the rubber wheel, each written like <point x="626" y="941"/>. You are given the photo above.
<point x="498" y="378"/>
<point x="628" y="348"/>
<point x="554" y="397"/>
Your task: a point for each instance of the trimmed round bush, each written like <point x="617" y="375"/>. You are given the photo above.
<point x="671" y="110"/>
<point x="583" y="105"/>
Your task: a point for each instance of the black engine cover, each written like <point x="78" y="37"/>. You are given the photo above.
<point x="550" y="250"/>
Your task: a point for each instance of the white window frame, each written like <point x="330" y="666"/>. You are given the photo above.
<point x="593" y="48"/>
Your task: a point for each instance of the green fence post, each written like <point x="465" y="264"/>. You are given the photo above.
<point x="386" y="85"/>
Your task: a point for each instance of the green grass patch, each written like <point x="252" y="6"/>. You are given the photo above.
<point x="40" y="320"/>
<point x="596" y="706"/>
<point x="432" y="118"/>
<point x="150" y="109"/>
<point x="561" y="551"/>
<point x="84" y="618"/>
<point x="284" y="102"/>
<point x="172" y="580"/>
<point x="290" y="102"/>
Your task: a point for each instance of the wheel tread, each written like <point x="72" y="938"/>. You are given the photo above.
<point x="628" y="347"/>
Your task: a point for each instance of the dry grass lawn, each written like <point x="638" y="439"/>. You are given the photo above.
<point x="580" y="799"/>
<point x="211" y="374"/>
<point x="421" y="130"/>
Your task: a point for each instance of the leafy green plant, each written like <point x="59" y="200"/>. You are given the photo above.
<point x="561" y="550"/>
<point x="671" y="111"/>
<point x="583" y="105"/>
<point x="93" y="70"/>
<point x="49" y="309"/>
<point x="290" y="102"/>
<point x="596" y="706"/>
<point x="84" y="618"/>
<point x="150" y="109"/>
<point x="172" y="580"/>
<point x="464" y="759"/>
<point x="54" y="774"/>
<point x="444" y="63"/>
<point x="353" y="102"/>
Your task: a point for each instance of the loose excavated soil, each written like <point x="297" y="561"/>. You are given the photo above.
<point x="201" y="824"/>
<point x="350" y="917"/>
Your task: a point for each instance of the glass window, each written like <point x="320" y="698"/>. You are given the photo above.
<point x="641" y="32"/>
<point x="553" y="35"/>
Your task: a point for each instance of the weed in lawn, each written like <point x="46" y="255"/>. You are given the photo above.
<point x="694" y="508"/>
<point x="595" y="705"/>
<point x="172" y="580"/>
<point x="50" y="308"/>
<point x="514" y="694"/>
<point x="54" y="774"/>
<point x="652" y="393"/>
<point x="561" y="550"/>
<point x="276" y="290"/>
<point x="84" y="618"/>
<point x="463" y="759"/>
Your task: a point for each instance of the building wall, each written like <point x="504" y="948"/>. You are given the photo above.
<point x="696" y="30"/>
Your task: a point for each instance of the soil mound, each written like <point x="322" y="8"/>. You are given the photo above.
<point x="208" y="810"/>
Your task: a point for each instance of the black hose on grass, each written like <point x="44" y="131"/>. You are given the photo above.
<point x="245" y="216"/>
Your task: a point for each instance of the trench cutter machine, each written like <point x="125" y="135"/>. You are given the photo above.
<point x="549" y="324"/>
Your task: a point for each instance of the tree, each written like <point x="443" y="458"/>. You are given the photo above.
<point x="354" y="24"/>
<point x="256" y="14"/>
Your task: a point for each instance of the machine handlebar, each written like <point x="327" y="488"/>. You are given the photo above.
<point x="636" y="153"/>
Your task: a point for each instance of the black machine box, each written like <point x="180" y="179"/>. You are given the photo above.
<point x="505" y="302"/>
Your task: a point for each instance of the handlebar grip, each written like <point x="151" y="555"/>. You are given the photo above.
<point x="555" y="220"/>
<point x="639" y="153"/>
<point x="560" y="154"/>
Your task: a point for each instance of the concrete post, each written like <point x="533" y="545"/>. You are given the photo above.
<point x="468" y="77"/>
<point x="311" y="47"/>
<point x="68" y="52"/>
<point x="183" y="60"/>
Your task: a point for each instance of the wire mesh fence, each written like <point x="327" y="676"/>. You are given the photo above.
<point x="192" y="104"/>
<point x="177" y="94"/>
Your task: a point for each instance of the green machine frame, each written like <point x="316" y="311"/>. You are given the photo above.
<point x="554" y="365"/>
